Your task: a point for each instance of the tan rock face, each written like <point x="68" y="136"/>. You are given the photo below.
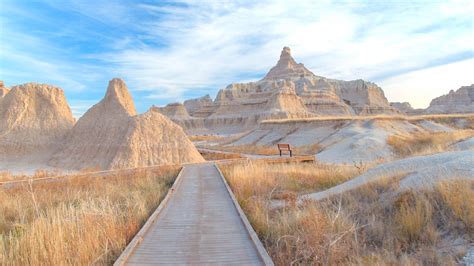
<point x="405" y="107"/>
<point x="3" y="90"/>
<point x="110" y="135"/>
<point x="194" y="106"/>
<point x="118" y="99"/>
<point x="460" y="101"/>
<point x="287" y="67"/>
<point x="243" y="105"/>
<point x="33" y="120"/>
<point x="402" y="106"/>
<point x="173" y="110"/>
<point x="286" y="104"/>
<point x="153" y="139"/>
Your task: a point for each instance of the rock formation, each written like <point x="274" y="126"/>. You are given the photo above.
<point x="243" y="105"/>
<point x="365" y="98"/>
<point x="110" y="136"/>
<point x="287" y="68"/>
<point x="335" y="96"/>
<point x="194" y="106"/>
<point x="286" y="104"/>
<point x="33" y="120"/>
<point x="173" y="110"/>
<point x="406" y="108"/>
<point x="3" y="90"/>
<point x="460" y="101"/>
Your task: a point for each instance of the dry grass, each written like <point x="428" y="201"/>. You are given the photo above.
<point x="284" y="180"/>
<point x="372" y="225"/>
<point x="246" y="149"/>
<point x="78" y="220"/>
<point x="216" y="156"/>
<point x="426" y="143"/>
<point x="6" y="176"/>
<point x="266" y="150"/>
<point x="205" y="138"/>
<point x="435" y="117"/>
<point x="310" y="149"/>
<point x="253" y="149"/>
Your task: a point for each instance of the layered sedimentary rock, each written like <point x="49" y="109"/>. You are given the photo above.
<point x="173" y="110"/>
<point x="460" y="101"/>
<point x="406" y="108"/>
<point x="195" y="107"/>
<point x="335" y="96"/>
<point x="323" y="100"/>
<point x="364" y="97"/>
<point x="111" y="135"/>
<point x="287" y="68"/>
<point x="33" y="120"/>
<point x="244" y="105"/>
<point x="286" y="104"/>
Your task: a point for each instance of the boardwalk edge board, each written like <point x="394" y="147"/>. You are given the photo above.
<point x="262" y="252"/>
<point x="138" y="238"/>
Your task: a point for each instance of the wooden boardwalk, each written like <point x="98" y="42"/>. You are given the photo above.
<point x="199" y="222"/>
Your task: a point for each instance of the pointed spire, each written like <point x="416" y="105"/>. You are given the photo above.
<point x="117" y="92"/>
<point x="287" y="67"/>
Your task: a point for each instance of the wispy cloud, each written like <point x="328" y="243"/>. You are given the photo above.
<point x="420" y="86"/>
<point x="211" y="44"/>
<point x="171" y="50"/>
<point x="79" y="107"/>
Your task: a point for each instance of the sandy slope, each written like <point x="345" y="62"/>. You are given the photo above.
<point x="416" y="172"/>
<point x="341" y="141"/>
<point x="467" y="144"/>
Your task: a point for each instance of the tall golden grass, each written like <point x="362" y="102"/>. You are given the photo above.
<point x="78" y="220"/>
<point x="284" y="180"/>
<point x="372" y="225"/>
<point x="435" y="117"/>
<point x="216" y="156"/>
<point x="423" y="143"/>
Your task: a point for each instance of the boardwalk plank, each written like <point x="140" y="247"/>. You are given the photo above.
<point x="199" y="225"/>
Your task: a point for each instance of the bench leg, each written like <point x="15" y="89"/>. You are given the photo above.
<point x="280" y="153"/>
<point x="291" y="153"/>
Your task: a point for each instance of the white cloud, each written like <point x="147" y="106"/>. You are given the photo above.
<point x="213" y="43"/>
<point x="79" y="107"/>
<point x="419" y="87"/>
<point x="172" y="49"/>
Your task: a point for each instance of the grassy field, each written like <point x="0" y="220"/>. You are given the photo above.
<point x="359" y="227"/>
<point x="78" y="220"/>
<point x="426" y="143"/>
<point x="284" y="180"/>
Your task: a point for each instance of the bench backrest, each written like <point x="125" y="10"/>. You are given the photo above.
<point x="284" y="146"/>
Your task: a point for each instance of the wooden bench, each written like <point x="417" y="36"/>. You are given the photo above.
<point x="285" y="147"/>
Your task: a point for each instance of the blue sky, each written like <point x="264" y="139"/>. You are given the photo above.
<point x="173" y="50"/>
